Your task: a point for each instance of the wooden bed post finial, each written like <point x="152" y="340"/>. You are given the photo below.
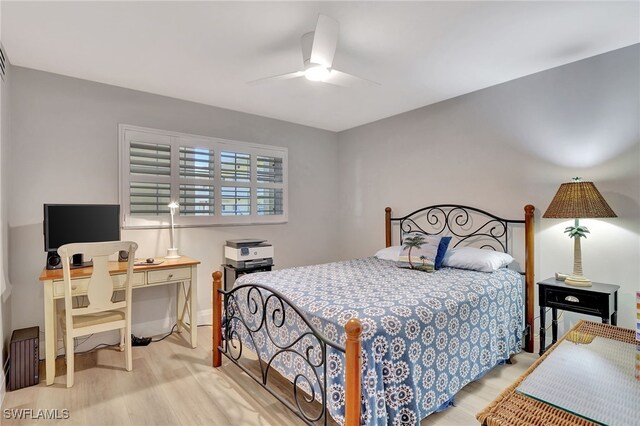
<point x="217" y="318"/>
<point x="353" y="328"/>
<point x="529" y="268"/>
<point x="387" y="226"/>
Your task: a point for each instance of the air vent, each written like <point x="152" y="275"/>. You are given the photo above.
<point x="3" y="61"/>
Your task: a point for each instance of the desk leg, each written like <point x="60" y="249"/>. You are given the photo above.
<point x="49" y="332"/>
<point x="543" y="337"/>
<point x="181" y="288"/>
<point x="193" y="306"/>
<point x="186" y="303"/>
<point x="554" y="325"/>
<point x="614" y="318"/>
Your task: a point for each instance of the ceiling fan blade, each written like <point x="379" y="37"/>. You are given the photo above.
<point x="276" y="78"/>
<point x="343" y="79"/>
<point x="325" y="40"/>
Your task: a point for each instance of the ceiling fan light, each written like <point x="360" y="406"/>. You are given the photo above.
<point x="317" y="73"/>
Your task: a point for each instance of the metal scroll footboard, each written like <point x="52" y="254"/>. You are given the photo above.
<point x="264" y="321"/>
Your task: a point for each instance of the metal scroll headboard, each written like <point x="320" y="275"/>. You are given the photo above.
<point x="475" y="227"/>
<point x="466" y="225"/>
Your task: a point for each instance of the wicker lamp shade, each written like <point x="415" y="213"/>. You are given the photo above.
<point x="578" y="199"/>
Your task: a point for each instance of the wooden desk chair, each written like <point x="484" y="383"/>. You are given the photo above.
<point x="101" y="313"/>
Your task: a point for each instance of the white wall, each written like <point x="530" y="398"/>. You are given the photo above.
<point x="503" y="147"/>
<point x="64" y="150"/>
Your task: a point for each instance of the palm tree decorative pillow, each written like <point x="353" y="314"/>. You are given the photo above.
<point x="423" y="252"/>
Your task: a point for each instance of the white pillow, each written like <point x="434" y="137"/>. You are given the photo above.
<point x="484" y="260"/>
<point x="389" y="253"/>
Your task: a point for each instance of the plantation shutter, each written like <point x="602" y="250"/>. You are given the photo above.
<point x="236" y="201"/>
<point x="235" y="167"/>
<point x="270" y="201"/>
<point x="196" y="163"/>
<point x="196" y="191"/>
<point x="269" y="192"/>
<point x="150" y="159"/>
<point x="150" y="176"/>
<point x="269" y="169"/>
<point x="214" y="181"/>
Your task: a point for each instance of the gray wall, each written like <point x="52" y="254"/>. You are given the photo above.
<point x="5" y="286"/>
<point x="64" y="150"/>
<point x="503" y="147"/>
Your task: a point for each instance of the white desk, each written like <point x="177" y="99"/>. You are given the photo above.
<point x="181" y="271"/>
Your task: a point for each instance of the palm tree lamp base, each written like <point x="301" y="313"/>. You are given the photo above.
<point x="578" y="281"/>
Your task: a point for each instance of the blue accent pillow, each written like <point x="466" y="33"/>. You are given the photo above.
<point x="442" y="250"/>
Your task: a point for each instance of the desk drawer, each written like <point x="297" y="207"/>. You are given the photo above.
<point x="79" y="286"/>
<point x="118" y="280"/>
<point x="164" y="275"/>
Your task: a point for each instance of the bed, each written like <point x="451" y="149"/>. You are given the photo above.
<point x="365" y="342"/>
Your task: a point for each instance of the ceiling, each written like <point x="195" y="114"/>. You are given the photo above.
<point x="419" y="52"/>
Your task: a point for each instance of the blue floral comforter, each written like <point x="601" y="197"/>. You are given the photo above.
<point x="425" y="335"/>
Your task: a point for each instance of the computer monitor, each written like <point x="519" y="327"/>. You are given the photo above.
<point x="80" y="223"/>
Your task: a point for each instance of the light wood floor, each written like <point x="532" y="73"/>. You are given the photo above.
<point x="172" y="384"/>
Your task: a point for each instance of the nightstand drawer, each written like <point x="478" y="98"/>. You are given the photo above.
<point x="577" y="301"/>
<point x="164" y="275"/>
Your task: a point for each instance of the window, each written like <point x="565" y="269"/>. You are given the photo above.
<point x="215" y="181"/>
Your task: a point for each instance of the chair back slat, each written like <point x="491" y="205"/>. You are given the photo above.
<point x="100" y="287"/>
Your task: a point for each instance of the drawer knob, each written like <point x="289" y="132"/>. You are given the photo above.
<point x="170" y="276"/>
<point x="572" y="299"/>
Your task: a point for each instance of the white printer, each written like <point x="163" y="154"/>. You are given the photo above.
<point x="248" y="253"/>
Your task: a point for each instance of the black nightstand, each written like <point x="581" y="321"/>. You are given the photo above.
<point x="600" y="300"/>
<point x="231" y="274"/>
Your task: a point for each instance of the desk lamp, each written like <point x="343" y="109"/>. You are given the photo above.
<point x="575" y="200"/>
<point x="172" y="252"/>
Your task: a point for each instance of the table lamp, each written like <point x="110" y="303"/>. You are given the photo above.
<point x="172" y="252"/>
<point x="575" y="200"/>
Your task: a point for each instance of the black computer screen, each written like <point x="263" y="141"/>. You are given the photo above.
<point x="80" y="223"/>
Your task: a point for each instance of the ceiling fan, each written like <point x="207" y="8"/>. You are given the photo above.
<point x="318" y="49"/>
